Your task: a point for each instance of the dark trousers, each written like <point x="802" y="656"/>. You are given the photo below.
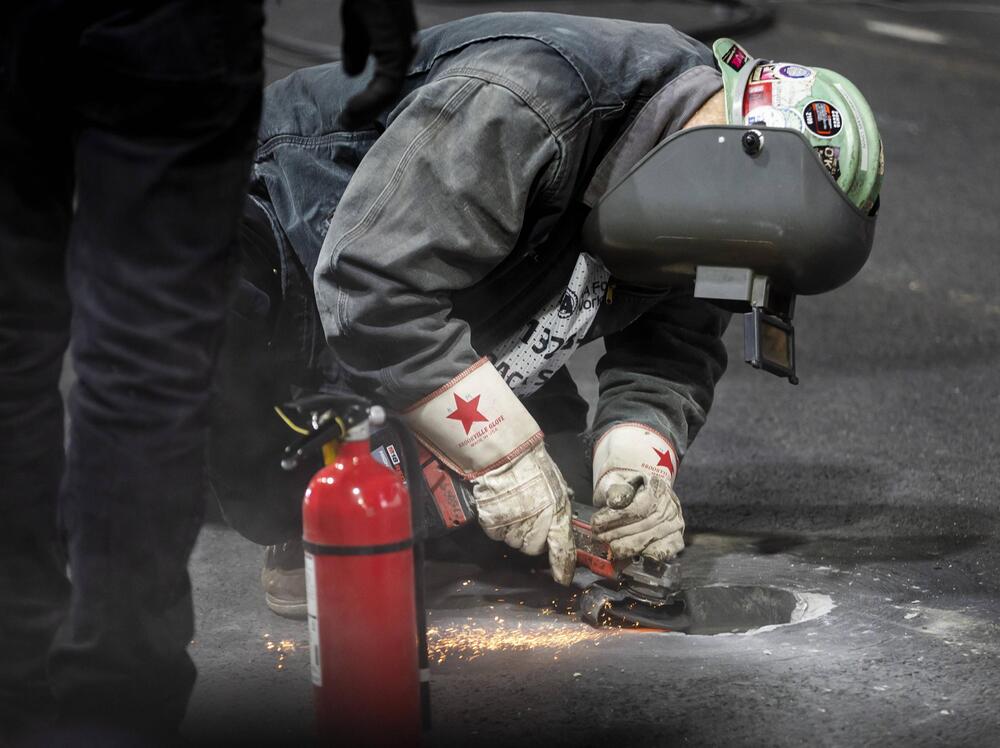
<point x="125" y="144"/>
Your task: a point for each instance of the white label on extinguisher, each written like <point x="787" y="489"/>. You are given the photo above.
<point x="315" y="663"/>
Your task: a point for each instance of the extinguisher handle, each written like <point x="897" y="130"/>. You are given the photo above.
<point x="316" y="403"/>
<point x="308" y="444"/>
<point x="330" y="418"/>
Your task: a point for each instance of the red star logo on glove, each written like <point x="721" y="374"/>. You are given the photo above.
<point x="665" y="460"/>
<point x="467" y="411"/>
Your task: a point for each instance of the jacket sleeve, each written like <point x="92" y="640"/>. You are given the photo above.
<point x="661" y="370"/>
<point x="435" y="205"/>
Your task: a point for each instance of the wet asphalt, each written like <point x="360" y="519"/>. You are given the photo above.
<point x="868" y="491"/>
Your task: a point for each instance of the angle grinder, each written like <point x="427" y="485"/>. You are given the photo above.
<point x="637" y="592"/>
<point x="632" y="593"/>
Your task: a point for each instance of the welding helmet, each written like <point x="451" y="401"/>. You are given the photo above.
<point x="779" y="201"/>
<point x="823" y="105"/>
<point x="787" y="189"/>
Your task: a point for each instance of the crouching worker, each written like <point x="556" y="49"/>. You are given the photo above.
<point x="433" y="261"/>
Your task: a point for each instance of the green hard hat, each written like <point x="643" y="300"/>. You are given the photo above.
<point x="822" y="105"/>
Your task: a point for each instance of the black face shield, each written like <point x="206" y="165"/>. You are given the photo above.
<point x="751" y="213"/>
<point x="731" y="197"/>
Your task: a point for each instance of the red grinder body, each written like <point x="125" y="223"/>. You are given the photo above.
<point x="358" y="537"/>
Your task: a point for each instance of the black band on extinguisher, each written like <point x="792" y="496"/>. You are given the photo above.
<point x="318" y="549"/>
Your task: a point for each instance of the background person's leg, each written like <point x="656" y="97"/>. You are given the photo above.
<point x="169" y="104"/>
<point x="35" y="196"/>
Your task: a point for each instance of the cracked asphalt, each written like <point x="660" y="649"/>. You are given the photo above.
<point x="869" y="490"/>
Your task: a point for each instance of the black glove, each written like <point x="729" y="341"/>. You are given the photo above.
<point x="385" y="29"/>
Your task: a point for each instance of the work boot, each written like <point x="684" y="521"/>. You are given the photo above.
<point x="284" y="579"/>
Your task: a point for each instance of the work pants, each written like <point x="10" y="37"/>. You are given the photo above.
<point x="126" y="137"/>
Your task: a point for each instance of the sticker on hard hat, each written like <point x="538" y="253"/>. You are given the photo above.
<point x="763" y="73"/>
<point x="772" y="116"/>
<point x="822" y="118"/>
<point x="829" y="156"/>
<point x="794" y="71"/>
<point x="757" y="95"/>
<point x="735" y="58"/>
<point x="788" y="92"/>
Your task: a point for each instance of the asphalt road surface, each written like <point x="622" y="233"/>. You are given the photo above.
<point x="869" y="491"/>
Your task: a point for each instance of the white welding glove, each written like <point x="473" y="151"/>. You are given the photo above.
<point x="525" y="504"/>
<point x="634" y="468"/>
<point x="476" y="425"/>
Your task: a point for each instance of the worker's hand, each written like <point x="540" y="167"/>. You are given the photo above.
<point x="476" y="425"/>
<point x="386" y="30"/>
<point x="639" y="513"/>
<point x="525" y="503"/>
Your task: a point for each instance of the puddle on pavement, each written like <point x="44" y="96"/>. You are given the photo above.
<point x="721" y="609"/>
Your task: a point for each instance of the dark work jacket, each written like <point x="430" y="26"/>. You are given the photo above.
<point x="437" y="232"/>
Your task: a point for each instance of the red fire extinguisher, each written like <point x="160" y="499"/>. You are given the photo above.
<point x="358" y="539"/>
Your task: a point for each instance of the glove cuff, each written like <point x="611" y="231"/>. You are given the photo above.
<point x="474" y="423"/>
<point x="634" y="446"/>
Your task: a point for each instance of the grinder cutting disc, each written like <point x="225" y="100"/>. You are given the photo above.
<point x="644" y="595"/>
<point x="601" y="606"/>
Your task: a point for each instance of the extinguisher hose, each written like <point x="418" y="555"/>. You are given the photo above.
<point x="418" y="504"/>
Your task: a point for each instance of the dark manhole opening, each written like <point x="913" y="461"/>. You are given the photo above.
<point x="706" y="610"/>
